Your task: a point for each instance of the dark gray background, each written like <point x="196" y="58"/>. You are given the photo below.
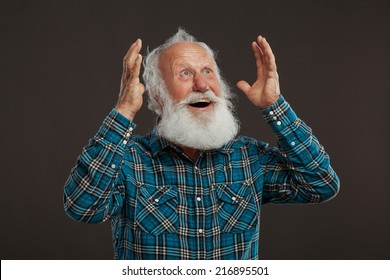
<point x="60" y="72"/>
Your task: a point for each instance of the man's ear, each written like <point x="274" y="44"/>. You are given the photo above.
<point x="158" y="100"/>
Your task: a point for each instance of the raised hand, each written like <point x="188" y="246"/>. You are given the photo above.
<point x="265" y="90"/>
<point x="131" y="91"/>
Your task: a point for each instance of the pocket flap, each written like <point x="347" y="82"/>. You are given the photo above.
<point x="158" y="194"/>
<point x="232" y="193"/>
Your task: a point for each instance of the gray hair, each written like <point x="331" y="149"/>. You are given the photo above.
<point x="154" y="84"/>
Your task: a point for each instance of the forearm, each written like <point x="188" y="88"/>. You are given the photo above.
<point x="305" y="166"/>
<point x="94" y="190"/>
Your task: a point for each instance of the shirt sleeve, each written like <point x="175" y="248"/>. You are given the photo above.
<point x="94" y="191"/>
<point x="299" y="170"/>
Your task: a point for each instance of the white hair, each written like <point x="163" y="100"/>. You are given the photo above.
<point x="154" y="84"/>
<point x="203" y="131"/>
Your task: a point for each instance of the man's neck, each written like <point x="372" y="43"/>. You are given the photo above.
<point x="191" y="152"/>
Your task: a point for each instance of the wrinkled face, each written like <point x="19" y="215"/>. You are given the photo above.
<point x="187" y="67"/>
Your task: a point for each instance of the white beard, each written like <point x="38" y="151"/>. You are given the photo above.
<point x="204" y="130"/>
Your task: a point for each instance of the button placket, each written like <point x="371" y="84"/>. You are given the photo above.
<point x="199" y="228"/>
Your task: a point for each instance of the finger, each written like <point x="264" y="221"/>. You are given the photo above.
<point x="136" y="69"/>
<point x="259" y="56"/>
<point x="137" y="43"/>
<point x="260" y="59"/>
<point x="243" y="86"/>
<point x="126" y="62"/>
<point x="132" y="54"/>
<point x="127" y="55"/>
<point x="268" y="54"/>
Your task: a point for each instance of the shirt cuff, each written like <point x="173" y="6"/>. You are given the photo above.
<point x="279" y="115"/>
<point x="116" y="129"/>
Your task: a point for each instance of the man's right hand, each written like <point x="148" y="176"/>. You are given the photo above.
<point x="131" y="91"/>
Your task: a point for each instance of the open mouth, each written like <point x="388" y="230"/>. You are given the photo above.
<point x="202" y="104"/>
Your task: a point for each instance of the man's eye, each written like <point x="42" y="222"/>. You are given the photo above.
<point x="185" y="73"/>
<point x="206" y="71"/>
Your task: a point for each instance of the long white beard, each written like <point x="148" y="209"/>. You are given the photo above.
<point x="204" y="130"/>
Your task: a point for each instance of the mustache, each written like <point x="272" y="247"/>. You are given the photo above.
<point x="193" y="97"/>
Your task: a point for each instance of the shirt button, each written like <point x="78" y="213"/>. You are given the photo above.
<point x="274" y="118"/>
<point x="131" y="129"/>
<point x="234" y="198"/>
<point x="128" y="134"/>
<point x="113" y="165"/>
<point x="156" y="200"/>
<point x="292" y="143"/>
<point x="271" y="113"/>
<point x="200" y="230"/>
<point x="278" y="122"/>
<point x="198" y="198"/>
<point x="124" y="142"/>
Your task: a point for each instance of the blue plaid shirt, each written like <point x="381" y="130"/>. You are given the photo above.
<point x="163" y="205"/>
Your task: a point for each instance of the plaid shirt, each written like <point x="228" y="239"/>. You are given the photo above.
<point x="163" y="205"/>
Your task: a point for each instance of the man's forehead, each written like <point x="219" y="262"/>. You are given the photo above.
<point x="186" y="50"/>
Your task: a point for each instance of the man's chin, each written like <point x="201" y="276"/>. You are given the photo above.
<point x="200" y="126"/>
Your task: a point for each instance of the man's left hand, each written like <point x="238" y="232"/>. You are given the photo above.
<point x="265" y="91"/>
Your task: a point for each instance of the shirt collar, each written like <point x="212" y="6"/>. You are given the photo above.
<point x="158" y="144"/>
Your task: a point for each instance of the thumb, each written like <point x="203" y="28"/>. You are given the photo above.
<point x="243" y="86"/>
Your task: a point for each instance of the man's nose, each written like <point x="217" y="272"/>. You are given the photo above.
<point x="200" y="84"/>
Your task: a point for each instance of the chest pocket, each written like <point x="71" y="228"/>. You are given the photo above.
<point x="156" y="209"/>
<point x="237" y="210"/>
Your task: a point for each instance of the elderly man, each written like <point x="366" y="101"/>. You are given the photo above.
<point x="192" y="188"/>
